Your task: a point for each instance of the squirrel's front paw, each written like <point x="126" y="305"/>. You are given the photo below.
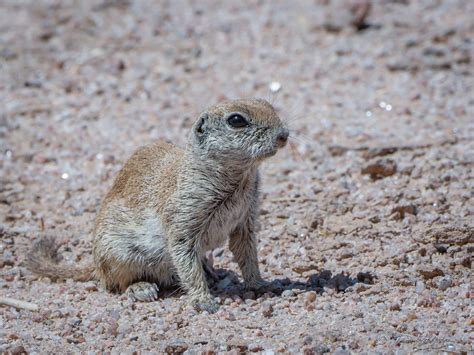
<point x="205" y="303"/>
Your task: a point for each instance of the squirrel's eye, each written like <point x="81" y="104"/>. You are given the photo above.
<point x="237" y="121"/>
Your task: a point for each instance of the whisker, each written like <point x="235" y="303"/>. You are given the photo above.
<point x="274" y="97"/>
<point x="174" y="292"/>
<point x="294" y="112"/>
<point x="292" y="120"/>
<point x="294" y="152"/>
<point x="300" y="142"/>
<point x="302" y="138"/>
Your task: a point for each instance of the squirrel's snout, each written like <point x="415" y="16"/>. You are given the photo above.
<point x="282" y="137"/>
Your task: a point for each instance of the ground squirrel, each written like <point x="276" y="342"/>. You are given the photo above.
<point x="168" y="206"/>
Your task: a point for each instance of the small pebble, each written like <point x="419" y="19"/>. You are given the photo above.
<point x="18" y="350"/>
<point x="444" y="283"/>
<point x="267" y="310"/>
<point x="229" y="316"/>
<point x="311" y="296"/>
<point x="275" y="86"/>
<point x="90" y="286"/>
<point x="429" y="272"/>
<point x="254" y="348"/>
<point x="395" y="306"/>
<point x="420" y="286"/>
<point x="178" y="347"/>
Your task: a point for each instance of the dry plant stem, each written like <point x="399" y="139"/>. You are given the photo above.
<point x="5" y="301"/>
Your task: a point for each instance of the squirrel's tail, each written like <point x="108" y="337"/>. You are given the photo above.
<point x="43" y="260"/>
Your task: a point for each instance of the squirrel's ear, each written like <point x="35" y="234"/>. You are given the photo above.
<point x="199" y="126"/>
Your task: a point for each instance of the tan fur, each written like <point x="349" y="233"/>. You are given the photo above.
<point x="168" y="206"/>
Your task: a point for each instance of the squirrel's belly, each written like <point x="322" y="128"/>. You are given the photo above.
<point x="132" y="237"/>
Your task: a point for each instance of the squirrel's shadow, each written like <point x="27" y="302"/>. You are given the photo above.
<point x="226" y="283"/>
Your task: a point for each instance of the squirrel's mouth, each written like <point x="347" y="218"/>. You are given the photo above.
<point x="266" y="154"/>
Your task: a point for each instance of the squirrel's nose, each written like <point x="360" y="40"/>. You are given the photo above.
<point x="282" y="137"/>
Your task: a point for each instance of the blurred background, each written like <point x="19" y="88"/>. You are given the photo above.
<point x="379" y="98"/>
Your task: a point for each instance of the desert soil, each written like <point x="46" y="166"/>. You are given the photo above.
<point x="366" y="217"/>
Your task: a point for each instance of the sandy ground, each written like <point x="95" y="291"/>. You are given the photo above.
<point x="366" y="220"/>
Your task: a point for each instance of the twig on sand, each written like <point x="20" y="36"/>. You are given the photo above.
<point x="5" y="301"/>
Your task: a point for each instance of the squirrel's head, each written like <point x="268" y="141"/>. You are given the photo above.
<point x="240" y="130"/>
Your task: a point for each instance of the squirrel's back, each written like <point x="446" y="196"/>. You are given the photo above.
<point x="149" y="177"/>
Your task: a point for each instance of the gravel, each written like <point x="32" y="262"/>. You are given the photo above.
<point x="366" y="224"/>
